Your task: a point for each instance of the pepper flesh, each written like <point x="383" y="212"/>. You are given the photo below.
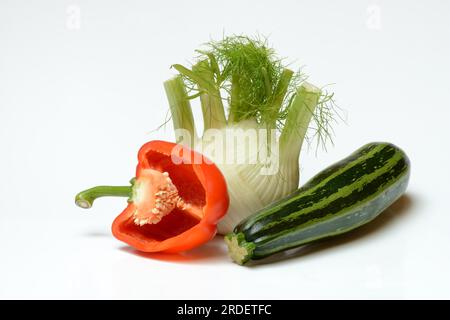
<point x="176" y="201"/>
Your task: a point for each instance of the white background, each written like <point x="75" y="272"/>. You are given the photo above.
<point x="81" y="90"/>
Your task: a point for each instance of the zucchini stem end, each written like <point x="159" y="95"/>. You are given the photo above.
<point x="239" y="249"/>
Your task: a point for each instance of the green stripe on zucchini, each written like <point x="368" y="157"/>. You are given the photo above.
<point x="340" y="198"/>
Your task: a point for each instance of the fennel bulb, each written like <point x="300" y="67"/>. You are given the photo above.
<point x="257" y="146"/>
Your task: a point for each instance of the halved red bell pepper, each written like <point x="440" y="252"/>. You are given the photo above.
<point x="175" y="201"/>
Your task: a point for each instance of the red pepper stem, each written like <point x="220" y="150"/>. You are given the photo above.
<point x="86" y="198"/>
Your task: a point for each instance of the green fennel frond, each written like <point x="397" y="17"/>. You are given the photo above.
<point x="255" y="83"/>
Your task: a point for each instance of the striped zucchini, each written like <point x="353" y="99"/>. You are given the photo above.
<point x="340" y="198"/>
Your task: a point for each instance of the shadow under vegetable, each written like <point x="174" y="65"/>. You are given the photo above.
<point x="211" y="251"/>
